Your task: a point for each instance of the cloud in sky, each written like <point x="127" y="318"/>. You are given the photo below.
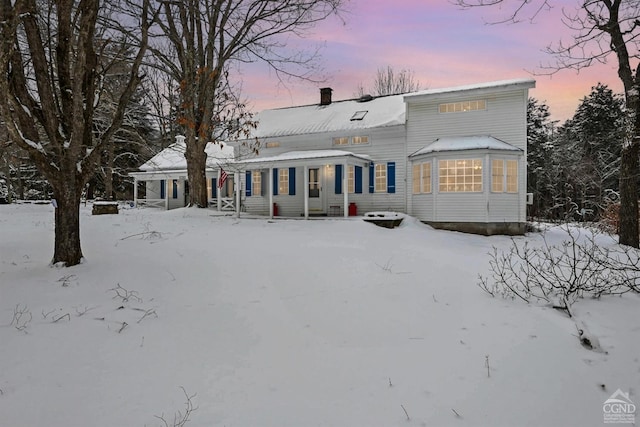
<point x="441" y="44"/>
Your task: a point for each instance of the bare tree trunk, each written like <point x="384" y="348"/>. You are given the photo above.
<point x="629" y="233"/>
<point x="196" y="166"/>
<point x="629" y="195"/>
<point x="67" y="223"/>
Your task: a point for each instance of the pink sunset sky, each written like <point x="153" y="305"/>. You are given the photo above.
<point x="442" y="45"/>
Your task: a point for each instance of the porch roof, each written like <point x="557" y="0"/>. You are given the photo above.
<point x="309" y="158"/>
<point x="172" y="158"/>
<point x="465" y="143"/>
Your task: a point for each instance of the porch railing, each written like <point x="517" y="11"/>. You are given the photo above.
<point x="227" y="203"/>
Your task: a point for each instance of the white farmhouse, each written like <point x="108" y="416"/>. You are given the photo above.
<point x="454" y="158"/>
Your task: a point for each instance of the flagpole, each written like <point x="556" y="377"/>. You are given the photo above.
<point x="219" y="198"/>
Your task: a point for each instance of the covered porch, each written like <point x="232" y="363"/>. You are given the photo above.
<point x="303" y="183"/>
<point x="170" y="189"/>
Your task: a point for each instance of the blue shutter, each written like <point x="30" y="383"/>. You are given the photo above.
<point x="214" y="188"/>
<point x="358" y="179"/>
<point x="372" y="175"/>
<point x="338" y="179"/>
<point x="391" y="177"/>
<point x="292" y="181"/>
<point x="248" y="189"/>
<point x="175" y="189"/>
<point x="163" y="190"/>
<point x="275" y="181"/>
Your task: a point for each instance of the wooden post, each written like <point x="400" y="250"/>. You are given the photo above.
<point x="135" y="191"/>
<point x="270" y="189"/>
<point x="345" y="188"/>
<point x="306" y="191"/>
<point x="236" y="184"/>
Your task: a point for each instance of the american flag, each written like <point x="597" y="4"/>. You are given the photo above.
<point x="223" y="178"/>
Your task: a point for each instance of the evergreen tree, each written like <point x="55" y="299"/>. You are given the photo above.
<point x="594" y="136"/>
<point x="540" y="180"/>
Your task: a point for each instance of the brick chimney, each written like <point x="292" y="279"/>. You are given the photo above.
<point x="325" y="95"/>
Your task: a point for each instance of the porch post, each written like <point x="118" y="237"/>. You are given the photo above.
<point x="219" y="191"/>
<point x="270" y="190"/>
<point x="135" y="191"/>
<point x="166" y="193"/>
<point x="306" y="191"/>
<point x="236" y="184"/>
<point x="345" y="188"/>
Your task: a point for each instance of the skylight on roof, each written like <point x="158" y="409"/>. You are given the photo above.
<point x="359" y="115"/>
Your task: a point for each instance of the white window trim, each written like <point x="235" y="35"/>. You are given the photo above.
<point x="383" y="168"/>
<point x="283" y="181"/>
<point x="256" y="190"/>
<point x="455" y="161"/>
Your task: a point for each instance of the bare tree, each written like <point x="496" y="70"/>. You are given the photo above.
<point x="204" y="38"/>
<point x="602" y="29"/>
<point x="391" y="82"/>
<point x="50" y="86"/>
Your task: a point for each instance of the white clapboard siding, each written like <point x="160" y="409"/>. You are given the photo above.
<point x="386" y="144"/>
<point x="504" y="119"/>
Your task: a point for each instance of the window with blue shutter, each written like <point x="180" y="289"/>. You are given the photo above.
<point x="163" y="189"/>
<point x="338" y="179"/>
<point x="358" y="179"/>
<point x="372" y="171"/>
<point x="292" y="181"/>
<point x="275" y="181"/>
<point x="248" y="184"/>
<point x="175" y="189"/>
<point x="391" y="177"/>
<point x="214" y="188"/>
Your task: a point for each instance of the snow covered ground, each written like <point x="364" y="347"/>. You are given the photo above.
<point x="288" y="323"/>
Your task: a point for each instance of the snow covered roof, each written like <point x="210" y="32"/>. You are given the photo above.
<point x="172" y="157"/>
<point x="500" y="84"/>
<point x="306" y="155"/>
<point x="338" y="116"/>
<point x="459" y="143"/>
<point x="364" y="113"/>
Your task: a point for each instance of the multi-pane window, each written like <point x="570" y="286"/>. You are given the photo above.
<point x="422" y="178"/>
<point x="256" y="177"/>
<point x="272" y="144"/>
<point x="416" y="178"/>
<point x="380" y="178"/>
<point x="504" y="172"/>
<point x="460" y="175"/>
<point x="497" y="175"/>
<point x="283" y="181"/>
<point x="351" y="181"/>
<point x="360" y="140"/>
<point x="512" y="176"/>
<point x="426" y="177"/>
<point x="463" y="106"/>
<point x="355" y="140"/>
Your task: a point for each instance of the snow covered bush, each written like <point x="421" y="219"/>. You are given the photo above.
<point x="583" y="264"/>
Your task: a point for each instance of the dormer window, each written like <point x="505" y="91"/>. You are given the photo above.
<point x="359" y="115"/>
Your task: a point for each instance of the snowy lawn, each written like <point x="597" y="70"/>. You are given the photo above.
<point x="288" y="323"/>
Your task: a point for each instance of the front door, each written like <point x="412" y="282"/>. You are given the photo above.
<point x="316" y="205"/>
